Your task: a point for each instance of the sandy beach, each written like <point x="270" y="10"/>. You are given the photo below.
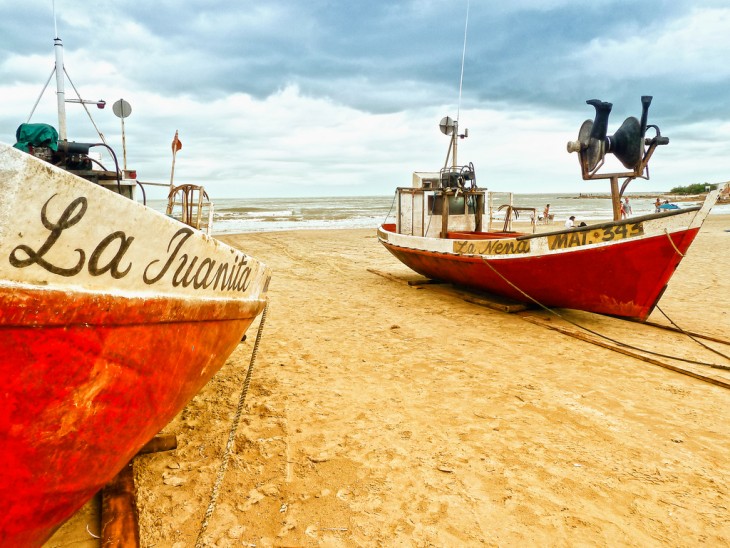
<point x="381" y="414"/>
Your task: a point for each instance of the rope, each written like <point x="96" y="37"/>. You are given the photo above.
<point x="666" y="231"/>
<point x="231" y="434"/>
<point x="91" y="119"/>
<point x="619" y="343"/>
<point x="433" y="208"/>
<point x="703" y="345"/>
<point x="391" y="207"/>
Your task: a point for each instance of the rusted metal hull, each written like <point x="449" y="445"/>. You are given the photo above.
<point x="624" y="276"/>
<point x="112" y="317"/>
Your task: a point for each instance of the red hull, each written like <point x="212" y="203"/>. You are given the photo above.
<point x="623" y="279"/>
<point x="84" y="389"/>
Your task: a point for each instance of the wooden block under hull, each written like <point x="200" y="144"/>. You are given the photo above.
<point x="413" y="280"/>
<point x="495" y="302"/>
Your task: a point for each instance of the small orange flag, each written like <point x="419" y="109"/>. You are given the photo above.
<point x="176" y="144"/>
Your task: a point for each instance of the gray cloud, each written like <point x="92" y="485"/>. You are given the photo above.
<point x="378" y="58"/>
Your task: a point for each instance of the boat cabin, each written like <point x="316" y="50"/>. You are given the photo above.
<point x="438" y="203"/>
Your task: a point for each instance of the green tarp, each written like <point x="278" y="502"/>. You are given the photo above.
<point x="36" y="135"/>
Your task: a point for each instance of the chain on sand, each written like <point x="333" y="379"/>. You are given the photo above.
<point x="231" y="434"/>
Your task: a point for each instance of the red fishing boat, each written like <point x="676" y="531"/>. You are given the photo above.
<point x="619" y="268"/>
<point x="112" y="317"/>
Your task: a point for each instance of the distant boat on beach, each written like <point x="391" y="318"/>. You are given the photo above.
<point x="112" y="317"/>
<point x="619" y="268"/>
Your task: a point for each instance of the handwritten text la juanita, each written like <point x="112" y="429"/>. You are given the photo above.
<point x="180" y="268"/>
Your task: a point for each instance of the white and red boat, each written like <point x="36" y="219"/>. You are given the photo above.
<point x="112" y="317"/>
<point x="619" y="268"/>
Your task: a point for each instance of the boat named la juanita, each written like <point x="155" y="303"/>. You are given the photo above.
<point x="112" y="317"/>
<point x="621" y="268"/>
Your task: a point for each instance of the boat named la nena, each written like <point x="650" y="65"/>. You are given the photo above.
<point x="443" y="230"/>
<point x="112" y="317"/>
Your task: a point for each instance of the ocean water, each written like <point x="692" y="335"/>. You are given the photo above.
<point x="236" y="215"/>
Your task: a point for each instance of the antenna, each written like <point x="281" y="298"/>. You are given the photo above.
<point x="447" y="125"/>
<point x="463" y="55"/>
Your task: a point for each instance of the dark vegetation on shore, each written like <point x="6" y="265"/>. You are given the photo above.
<point x="680" y="193"/>
<point x="697" y="188"/>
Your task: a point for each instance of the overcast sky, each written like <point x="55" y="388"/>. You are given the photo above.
<point x="295" y="98"/>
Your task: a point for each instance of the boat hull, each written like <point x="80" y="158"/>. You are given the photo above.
<point x="624" y="276"/>
<point x="84" y="397"/>
<point x="112" y="317"/>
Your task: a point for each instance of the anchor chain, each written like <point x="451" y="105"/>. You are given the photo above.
<point x="232" y="434"/>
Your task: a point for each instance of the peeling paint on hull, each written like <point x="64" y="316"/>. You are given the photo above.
<point x="83" y="398"/>
<point x="112" y="318"/>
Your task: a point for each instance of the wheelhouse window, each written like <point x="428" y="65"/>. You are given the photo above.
<point x="458" y="205"/>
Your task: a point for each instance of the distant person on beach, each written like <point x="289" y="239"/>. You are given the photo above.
<point x="627" y="206"/>
<point x="657" y="205"/>
<point x="546" y="214"/>
<point x="623" y="211"/>
<point x="570" y="223"/>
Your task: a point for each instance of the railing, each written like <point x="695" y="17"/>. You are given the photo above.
<point x="191" y="205"/>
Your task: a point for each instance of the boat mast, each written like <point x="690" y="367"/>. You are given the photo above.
<point x="60" y="92"/>
<point x="454" y="142"/>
